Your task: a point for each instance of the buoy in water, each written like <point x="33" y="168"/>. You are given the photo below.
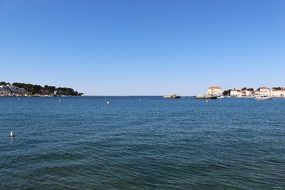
<point x="12" y="135"/>
<point x="108" y="102"/>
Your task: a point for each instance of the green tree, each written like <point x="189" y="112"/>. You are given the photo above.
<point x="49" y="90"/>
<point x="277" y="88"/>
<point x="227" y="93"/>
<point x="3" y="83"/>
<point x="46" y="90"/>
<point x="37" y="89"/>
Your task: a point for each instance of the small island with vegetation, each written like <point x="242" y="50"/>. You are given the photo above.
<point x="23" y="89"/>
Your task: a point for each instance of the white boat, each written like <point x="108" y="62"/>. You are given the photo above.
<point x="261" y="98"/>
<point x="172" y="96"/>
<point x="221" y="97"/>
<point x="12" y="135"/>
<point x="206" y="97"/>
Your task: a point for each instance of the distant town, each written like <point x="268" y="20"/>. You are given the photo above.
<point x="23" y="89"/>
<point x="216" y="91"/>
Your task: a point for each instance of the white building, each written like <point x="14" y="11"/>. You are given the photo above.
<point x="247" y="93"/>
<point x="16" y="90"/>
<point x="4" y="91"/>
<point x="11" y="90"/>
<point x="235" y="93"/>
<point x="278" y="92"/>
<point x="215" y="91"/>
<point x="263" y="91"/>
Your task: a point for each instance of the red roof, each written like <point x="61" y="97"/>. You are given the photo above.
<point x="215" y="87"/>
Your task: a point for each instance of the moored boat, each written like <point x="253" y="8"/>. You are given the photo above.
<point x="262" y="98"/>
<point x="206" y="97"/>
<point x="172" y="96"/>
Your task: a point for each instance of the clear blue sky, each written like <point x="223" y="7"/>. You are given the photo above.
<point x="143" y="47"/>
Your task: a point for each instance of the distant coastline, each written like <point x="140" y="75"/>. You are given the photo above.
<point x="24" y="89"/>
<point x="216" y="91"/>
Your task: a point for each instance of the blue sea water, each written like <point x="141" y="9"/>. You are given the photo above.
<point x="141" y="143"/>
